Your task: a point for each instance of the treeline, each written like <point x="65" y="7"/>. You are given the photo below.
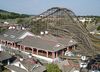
<point x="11" y="15"/>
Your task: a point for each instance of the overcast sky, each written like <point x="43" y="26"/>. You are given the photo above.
<point x="79" y="7"/>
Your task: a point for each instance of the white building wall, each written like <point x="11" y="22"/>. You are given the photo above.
<point x="82" y="20"/>
<point x="1" y="48"/>
<point x="13" y="71"/>
<point x="41" y="57"/>
<point x="44" y="58"/>
<point x="26" y="34"/>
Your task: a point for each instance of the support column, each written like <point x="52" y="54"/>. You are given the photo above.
<point x="32" y="51"/>
<point x="62" y="52"/>
<point x="37" y="52"/>
<point x="14" y="45"/>
<point x="74" y="47"/>
<point x="67" y="48"/>
<point x="4" y="42"/>
<point x="24" y="48"/>
<point x="47" y="53"/>
<point x="53" y="55"/>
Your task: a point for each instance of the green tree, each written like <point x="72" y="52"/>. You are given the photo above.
<point x="19" y="21"/>
<point x="11" y="15"/>
<point x="2" y="29"/>
<point x="37" y="27"/>
<point x="52" y="68"/>
<point x="98" y="28"/>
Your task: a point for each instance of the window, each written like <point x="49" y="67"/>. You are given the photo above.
<point x="12" y="36"/>
<point x="5" y="35"/>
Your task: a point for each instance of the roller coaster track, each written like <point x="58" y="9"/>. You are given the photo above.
<point x="79" y="36"/>
<point x="70" y="24"/>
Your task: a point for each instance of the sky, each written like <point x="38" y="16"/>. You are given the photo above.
<point x="34" y="7"/>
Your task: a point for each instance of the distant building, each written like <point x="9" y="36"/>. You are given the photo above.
<point x="85" y="19"/>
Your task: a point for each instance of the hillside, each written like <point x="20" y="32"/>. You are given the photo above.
<point x="11" y="15"/>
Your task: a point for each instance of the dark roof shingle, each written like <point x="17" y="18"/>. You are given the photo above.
<point x="15" y="68"/>
<point x="4" y="56"/>
<point x="35" y="42"/>
<point x="48" y="44"/>
<point x="12" y="34"/>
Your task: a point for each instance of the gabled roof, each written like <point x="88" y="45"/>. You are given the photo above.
<point x="39" y="43"/>
<point x="15" y="68"/>
<point x="4" y="56"/>
<point x="29" y="65"/>
<point x="62" y="40"/>
<point x="18" y="69"/>
<point x="12" y="34"/>
<point x="32" y="65"/>
<point x="39" y="69"/>
<point x="48" y="42"/>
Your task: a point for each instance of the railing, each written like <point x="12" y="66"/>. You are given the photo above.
<point x="28" y="51"/>
<point x="50" y="56"/>
<point x="42" y="54"/>
<point x="34" y="52"/>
